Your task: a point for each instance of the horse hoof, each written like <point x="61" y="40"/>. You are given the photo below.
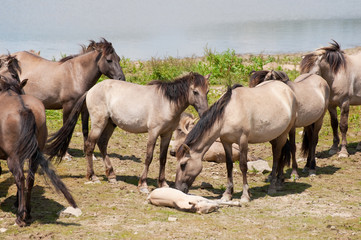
<point x="272" y="191"/>
<point x="67" y="157"/>
<point x="294" y="177"/>
<point x="112" y="180"/>
<point x="343" y="155"/>
<point x="312" y="173"/>
<point x="20" y="222"/>
<point x="94" y="158"/>
<point x="332" y="151"/>
<point x="144" y="190"/>
<point x="226" y="197"/>
<point x="245" y="199"/>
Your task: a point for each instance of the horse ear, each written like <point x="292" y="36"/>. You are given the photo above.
<point x="208" y="76"/>
<point x="186" y="148"/>
<point x="23" y="83"/>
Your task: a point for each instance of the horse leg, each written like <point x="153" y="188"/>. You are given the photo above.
<point x="334" y="124"/>
<point x="67" y="108"/>
<point x="85" y="125"/>
<point x="16" y="169"/>
<point x="277" y="166"/>
<point x="97" y="128"/>
<point x="227" y="195"/>
<point x="164" y="144"/>
<point x="33" y="167"/>
<point x="345" y="107"/>
<point x="142" y="184"/>
<point x="292" y="135"/>
<point x="243" y="148"/>
<point x="103" y="144"/>
<point x="312" y="151"/>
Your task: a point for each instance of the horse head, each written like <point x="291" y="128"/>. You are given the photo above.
<point x="108" y="59"/>
<point x="198" y="90"/>
<point x="188" y="168"/>
<point x="324" y="61"/>
<point x="258" y="77"/>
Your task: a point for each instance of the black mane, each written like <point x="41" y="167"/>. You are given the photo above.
<point x="177" y="91"/>
<point x="214" y="113"/>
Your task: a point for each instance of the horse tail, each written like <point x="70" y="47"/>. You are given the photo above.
<point x="58" y="143"/>
<point x="306" y="142"/>
<point x="285" y="155"/>
<point x="54" y="178"/>
<point x="27" y="143"/>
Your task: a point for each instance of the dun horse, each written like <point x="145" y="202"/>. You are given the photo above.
<point x="312" y="94"/>
<point x="154" y="108"/>
<point x="59" y="84"/>
<point x="23" y="135"/>
<point x="242" y="115"/>
<point x="343" y="74"/>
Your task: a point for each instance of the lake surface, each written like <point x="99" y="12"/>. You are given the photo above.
<point x="141" y="29"/>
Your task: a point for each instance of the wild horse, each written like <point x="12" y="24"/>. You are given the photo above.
<point x="343" y="74"/>
<point x="60" y="84"/>
<point x="312" y="94"/>
<point x="242" y="115"/>
<point x="23" y="135"/>
<point x="154" y="108"/>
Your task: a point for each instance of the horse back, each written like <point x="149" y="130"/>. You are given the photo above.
<point x="262" y="113"/>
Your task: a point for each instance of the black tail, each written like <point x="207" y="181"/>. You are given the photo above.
<point x="55" y="180"/>
<point x="307" y="138"/>
<point x="58" y="143"/>
<point x="27" y="143"/>
<point x="286" y="155"/>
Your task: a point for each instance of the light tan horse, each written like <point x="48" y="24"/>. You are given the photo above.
<point x="154" y="108"/>
<point x="59" y="84"/>
<point x="242" y="115"/>
<point x="343" y="74"/>
<point x="23" y="135"/>
<point x="312" y="94"/>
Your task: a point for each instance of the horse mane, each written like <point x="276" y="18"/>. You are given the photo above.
<point x="7" y="84"/>
<point x="102" y="46"/>
<point x="12" y="63"/>
<point x="333" y="55"/>
<point x="257" y="77"/>
<point x="213" y="114"/>
<point x="177" y="90"/>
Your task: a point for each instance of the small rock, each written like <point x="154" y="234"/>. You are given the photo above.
<point x="259" y="165"/>
<point x="172" y="219"/>
<point x="3" y="230"/>
<point x="70" y="211"/>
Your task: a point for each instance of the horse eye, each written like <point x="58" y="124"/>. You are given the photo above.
<point x="183" y="166"/>
<point x="195" y="92"/>
<point x="109" y="60"/>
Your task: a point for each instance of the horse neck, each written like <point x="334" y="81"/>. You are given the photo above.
<point x="203" y="143"/>
<point x="87" y="63"/>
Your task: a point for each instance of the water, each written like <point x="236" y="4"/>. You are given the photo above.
<point x="141" y="29"/>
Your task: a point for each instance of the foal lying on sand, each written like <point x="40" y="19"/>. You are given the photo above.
<point x="170" y="197"/>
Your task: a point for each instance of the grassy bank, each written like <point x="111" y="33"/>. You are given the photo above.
<point x="327" y="206"/>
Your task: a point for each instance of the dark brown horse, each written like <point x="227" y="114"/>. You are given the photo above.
<point x="343" y="74"/>
<point x="312" y="94"/>
<point x="23" y="135"/>
<point x="154" y="108"/>
<point x="59" y="84"/>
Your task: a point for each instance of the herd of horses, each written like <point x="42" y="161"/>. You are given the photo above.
<point x="268" y="110"/>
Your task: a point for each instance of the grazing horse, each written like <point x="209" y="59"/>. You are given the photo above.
<point x="242" y="115"/>
<point x="23" y="135"/>
<point x="154" y="108"/>
<point x="343" y="74"/>
<point x="59" y="84"/>
<point x="312" y="94"/>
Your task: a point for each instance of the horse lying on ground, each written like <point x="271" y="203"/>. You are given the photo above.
<point x="242" y="115"/>
<point x="170" y="197"/>
<point x="312" y="94"/>
<point x="154" y="108"/>
<point x="342" y="72"/>
<point x="214" y="154"/>
<point x="23" y="135"/>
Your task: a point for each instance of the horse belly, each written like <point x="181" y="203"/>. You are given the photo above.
<point x="131" y="124"/>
